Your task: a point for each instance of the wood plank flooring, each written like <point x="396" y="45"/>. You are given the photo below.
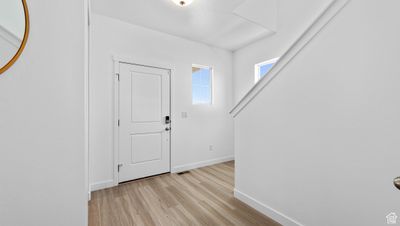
<point x="202" y="197"/>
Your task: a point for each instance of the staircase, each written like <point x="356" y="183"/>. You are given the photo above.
<point x="316" y="140"/>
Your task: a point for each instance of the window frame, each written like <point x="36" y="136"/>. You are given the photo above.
<point x="211" y="68"/>
<point x="257" y="75"/>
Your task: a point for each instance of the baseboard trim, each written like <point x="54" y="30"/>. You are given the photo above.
<point x="110" y="183"/>
<point x="101" y="185"/>
<point x="195" y="165"/>
<point x="266" y="210"/>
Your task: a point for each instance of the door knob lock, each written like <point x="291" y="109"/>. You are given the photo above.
<point x="167" y="129"/>
<point x="396" y="182"/>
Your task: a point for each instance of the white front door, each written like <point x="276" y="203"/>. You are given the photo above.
<point x="144" y="136"/>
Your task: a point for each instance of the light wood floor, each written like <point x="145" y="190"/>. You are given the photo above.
<point x="202" y="197"/>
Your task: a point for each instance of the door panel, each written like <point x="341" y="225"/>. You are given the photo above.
<point x="146" y="97"/>
<point x="151" y="142"/>
<point x="144" y="101"/>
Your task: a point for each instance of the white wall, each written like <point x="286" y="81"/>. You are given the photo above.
<point x="320" y="143"/>
<point x="192" y="136"/>
<point x="42" y="122"/>
<point x="293" y="18"/>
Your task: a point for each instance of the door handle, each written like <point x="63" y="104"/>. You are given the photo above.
<point x="396" y="182"/>
<point x="167" y="129"/>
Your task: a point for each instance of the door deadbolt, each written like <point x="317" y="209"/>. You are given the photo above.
<point x="167" y="120"/>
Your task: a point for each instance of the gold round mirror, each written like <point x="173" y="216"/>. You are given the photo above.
<point x="14" y="29"/>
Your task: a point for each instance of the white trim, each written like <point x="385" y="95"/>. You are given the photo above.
<point x="257" y="75"/>
<point x="86" y="98"/>
<point x="110" y="183"/>
<point x="323" y="19"/>
<point x="195" y="165"/>
<point x="202" y="66"/>
<point x="101" y="185"/>
<point x="141" y="61"/>
<point x="115" y="124"/>
<point x="266" y="210"/>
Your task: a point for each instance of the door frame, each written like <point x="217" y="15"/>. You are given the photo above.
<point x="140" y="62"/>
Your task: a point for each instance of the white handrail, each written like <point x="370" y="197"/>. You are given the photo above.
<point x="316" y="26"/>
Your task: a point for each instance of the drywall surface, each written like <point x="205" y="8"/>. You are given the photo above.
<point x="205" y="125"/>
<point x="320" y="144"/>
<point x="293" y="18"/>
<point x="42" y="122"/>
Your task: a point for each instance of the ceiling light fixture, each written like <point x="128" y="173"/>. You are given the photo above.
<point x="183" y="3"/>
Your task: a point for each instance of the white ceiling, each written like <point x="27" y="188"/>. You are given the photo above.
<point x="229" y="24"/>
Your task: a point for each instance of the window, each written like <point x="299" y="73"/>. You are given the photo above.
<point x="263" y="68"/>
<point x="201" y="84"/>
